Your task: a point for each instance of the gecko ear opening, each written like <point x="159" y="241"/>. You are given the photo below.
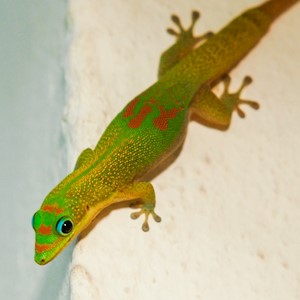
<point x="64" y="226"/>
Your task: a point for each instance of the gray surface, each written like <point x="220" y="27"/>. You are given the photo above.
<point x="32" y="88"/>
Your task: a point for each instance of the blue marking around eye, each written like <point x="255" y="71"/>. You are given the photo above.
<point x="64" y="226"/>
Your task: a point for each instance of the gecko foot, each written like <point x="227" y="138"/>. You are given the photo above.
<point x="146" y="211"/>
<point x="233" y="100"/>
<point x="187" y="34"/>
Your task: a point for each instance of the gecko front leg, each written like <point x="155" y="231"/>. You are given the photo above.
<point x="143" y="193"/>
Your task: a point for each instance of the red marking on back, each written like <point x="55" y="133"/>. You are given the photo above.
<point x="130" y="108"/>
<point x="39" y="248"/>
<point x="52" y="209"/>
<point x="45" y="230"/>
<point x="161" y="122"/>
<point x="136" y="122"/>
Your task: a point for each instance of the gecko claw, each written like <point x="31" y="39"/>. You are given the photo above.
<point x="187" y="34"/>
<point x="146" y="212"/>
<point x="233" y="100"/>
<point x="195" y="16"/>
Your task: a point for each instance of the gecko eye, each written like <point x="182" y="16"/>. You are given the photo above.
<point x="64" y="226"/>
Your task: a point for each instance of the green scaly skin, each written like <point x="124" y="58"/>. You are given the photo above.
<point x="151" y="128"/>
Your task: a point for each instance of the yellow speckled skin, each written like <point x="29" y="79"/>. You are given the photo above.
<point x="151" y="128"/>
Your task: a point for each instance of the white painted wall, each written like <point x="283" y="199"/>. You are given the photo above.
<point x="230" y="203"/>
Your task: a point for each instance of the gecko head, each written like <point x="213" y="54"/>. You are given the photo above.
<point x="55" y="227"/>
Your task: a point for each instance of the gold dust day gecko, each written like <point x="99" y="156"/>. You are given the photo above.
<point x="149" y="132"/>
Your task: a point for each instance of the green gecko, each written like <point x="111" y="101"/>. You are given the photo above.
<point x="151" y="129"/>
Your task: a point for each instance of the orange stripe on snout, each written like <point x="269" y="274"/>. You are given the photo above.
<point x="52" y="209"/>
<point x="45" y="230"/>
<point x="39" y="248"/>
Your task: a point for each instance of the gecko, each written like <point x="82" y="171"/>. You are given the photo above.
<point x="150" y="130"/>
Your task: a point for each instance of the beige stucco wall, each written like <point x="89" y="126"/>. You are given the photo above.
<point x="230" y="203"/>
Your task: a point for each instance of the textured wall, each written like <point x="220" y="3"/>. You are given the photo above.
<point x="230" y="203"/>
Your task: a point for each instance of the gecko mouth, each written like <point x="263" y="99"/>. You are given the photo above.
<point x="44" y="257"/>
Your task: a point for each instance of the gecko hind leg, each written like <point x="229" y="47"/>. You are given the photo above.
<point x="216" y="112"/>
<point x="186" y="41"/>
<point x="233" y="100"/>
<point x="187" y="34"/>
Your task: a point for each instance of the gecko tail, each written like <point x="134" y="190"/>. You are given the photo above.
<point x="274" y="8"/>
